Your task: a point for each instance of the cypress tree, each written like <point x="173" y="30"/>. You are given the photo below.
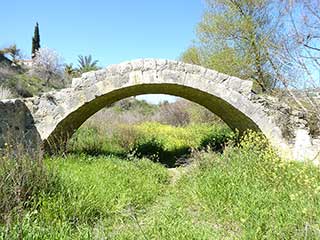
<point x="35" y="41"/>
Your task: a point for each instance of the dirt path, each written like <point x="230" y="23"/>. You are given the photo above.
<point x="177" y="173"/>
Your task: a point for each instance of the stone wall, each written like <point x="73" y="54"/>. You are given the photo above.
<point x="17" y="127"/>
<point x="294" y="126"/>
<point x="287" y="118"/>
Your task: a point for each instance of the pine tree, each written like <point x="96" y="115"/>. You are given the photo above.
<point x="35" y="41"/>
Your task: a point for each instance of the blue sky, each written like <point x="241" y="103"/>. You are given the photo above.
<point x="111" y="31"/>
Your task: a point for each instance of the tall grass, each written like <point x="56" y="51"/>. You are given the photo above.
<point x="164" y="143"/>
<point x="23" y="177"/>
<point x="94" y="197"/>
<point x="247" y="192"/>
<point x="5" y="93"/>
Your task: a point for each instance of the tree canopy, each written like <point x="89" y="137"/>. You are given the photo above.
<point x="238" y="37"/>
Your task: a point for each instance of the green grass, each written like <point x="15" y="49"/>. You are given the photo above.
<point x="92" y="192"/>
<point x="245" y="193"/>
<point x="156" y="141"/>
<point x="191" y="136"/>
<point x="167" y="144"/>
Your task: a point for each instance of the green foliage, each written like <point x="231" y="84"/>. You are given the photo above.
<point x="35" y="41"/>
<point x="199" y="114"/>
<point x="70" y="72"/>
<point x="21" y="83"/>
<point x="192" y="56"/>
<point x="313" y="123"/>
<point x="227" y="60"/>
<point x="175" y="137"/>
<point x="93" y="192"/>
<point x="29" y="84"/>
<point x="4" y="61"/>
<point x="159" y="142"/>
<point x="86" y="64"/>
<point x="13" y="52"/>
<point x="167" y="144"/>
<point x="88" y="140"/>
<point x="239" y="38"/>
<point x="247" y="192"/>
<point x="5" y="93"/>
<point x="134" y="105"/>
<point x="258" y="194"/>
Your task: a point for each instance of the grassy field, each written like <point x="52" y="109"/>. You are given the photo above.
<point x="159" y="142"/>
<point x="245" y="193"/>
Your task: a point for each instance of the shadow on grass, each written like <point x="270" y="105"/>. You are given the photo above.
<point x="152" y="149"/>
<point x="156" y="151"/>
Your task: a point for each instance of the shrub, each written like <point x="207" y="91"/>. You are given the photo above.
<point x="20" y="83"/>
<point x="5" y="93"/>
<point x="314" y="124"/>
<point x="47" y="65"/>
<point x="174" y="114"/>
<point x="217" y="138"/>
<point x="160" y="142"/>
<point x="134" y="105"/>
<point x="247" y="192"/>
<point x="125" y="136"/>
<point x="251" y="191"/>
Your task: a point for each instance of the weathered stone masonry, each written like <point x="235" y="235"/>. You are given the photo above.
<point x="56" y="115"/>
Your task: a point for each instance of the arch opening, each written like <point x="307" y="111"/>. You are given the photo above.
<point x="232" y="116"/>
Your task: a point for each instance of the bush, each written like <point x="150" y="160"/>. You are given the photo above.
<point x="247" y="192"/>
<point x="314" y="124"/>
<point x="136" y="106"/>
<point x="174" y="114"/>
<point x="20" y="83"/>
<point x="125" y="137"/>
<point x="253" y="193"/>
<point x="218" y="138"/>
<point x="47" y="65"/>
<point x="5" y="93"/>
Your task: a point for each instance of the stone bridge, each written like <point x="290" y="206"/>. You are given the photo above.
<point x="53" y="117"/>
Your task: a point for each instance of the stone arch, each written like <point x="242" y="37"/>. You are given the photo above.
<point x="59" y="114"/>
<point x="233" y="117"/>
